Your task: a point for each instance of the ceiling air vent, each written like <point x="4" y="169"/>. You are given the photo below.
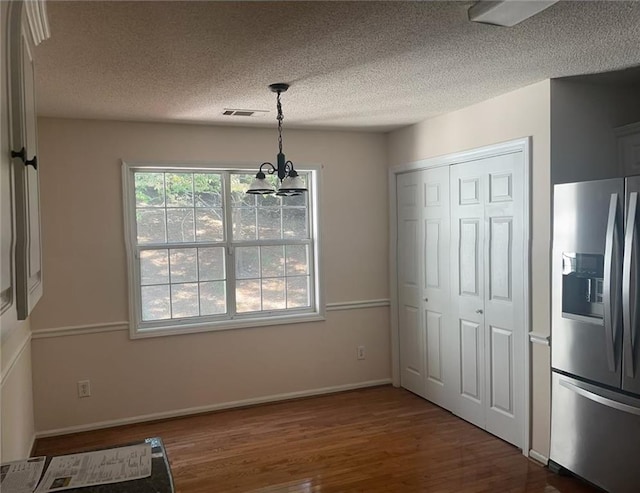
<point x="238" y="112"/>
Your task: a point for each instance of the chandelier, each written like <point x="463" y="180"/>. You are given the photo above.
<point x="290" y="182"/>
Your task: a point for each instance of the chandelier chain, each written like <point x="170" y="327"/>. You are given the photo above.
<point x="280" y="118"/>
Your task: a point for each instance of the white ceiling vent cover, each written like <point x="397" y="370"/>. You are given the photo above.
<point x="242" y="112"/>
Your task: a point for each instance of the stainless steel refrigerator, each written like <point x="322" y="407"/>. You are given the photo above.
<point x="595" y="334"/>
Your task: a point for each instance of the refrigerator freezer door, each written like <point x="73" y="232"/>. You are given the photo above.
<point x="631" y="289"/>
<point x="587" y="272"/>
<point x="595" y="433"/>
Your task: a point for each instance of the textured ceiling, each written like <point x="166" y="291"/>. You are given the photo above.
<point x="366" y="65"/>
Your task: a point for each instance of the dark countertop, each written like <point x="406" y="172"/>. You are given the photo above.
<point x="160" y="481"/>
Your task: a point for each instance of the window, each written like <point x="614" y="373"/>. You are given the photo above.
<point x="204" y="255"/>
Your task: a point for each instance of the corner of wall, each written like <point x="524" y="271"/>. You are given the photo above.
<point x="17" y="426"/>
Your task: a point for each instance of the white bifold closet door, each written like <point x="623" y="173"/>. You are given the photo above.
<point x="461" y="306"/>
<point x="487" y="212"/>
<point x="424" y="282"/>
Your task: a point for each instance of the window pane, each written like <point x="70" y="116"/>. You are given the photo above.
<point x="150" y="226"/>
<point x="295" y="200"/>
<point x="273" y="294"/>
<point x="208" y="190"/>
<point x="239" y="185"/>
<point x="149" y="189"/>
<point x="211" y="264"/>
<point x="243" y="199"/>
<point x="213" y="298"/>
<point x="269" y="223"/>
<point x="154" y="267"/>
<point x="297" y="260"/>
<point x="244" y="224"/>
<point x="155" y="303"/>
<point x="272" y="261"/>
<point x="209" y="224"/>
<point x="298" y="292"/>
<point x="184" y="300"/>
<point x="270" y="200"/>
<point x="247" y="296"/>
<point x="247" y="263"/>
<point x="295" y="223"/>
<point x="184" y="265"/>
<point x="179" y="189"/>
<point x="180" y="225"/>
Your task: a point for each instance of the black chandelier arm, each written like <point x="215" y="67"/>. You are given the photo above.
<point x="283" y="169"/>
<point x="272" y="169"/>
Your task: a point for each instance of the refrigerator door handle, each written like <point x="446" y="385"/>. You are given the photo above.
<point x="627" y="320"/>
<point x="605" y="401"/>
<point x="609" y="291"/>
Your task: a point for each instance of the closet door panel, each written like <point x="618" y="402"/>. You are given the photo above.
<point x="435" y="373"/>
<point x="504" y="304"/>
<point x="433" y="253"/>
<point x="410" y="317"/>
<point x="500" y="258"/>
<point x="470" y="355"/>
<point x="501" y="371"/>
<point x="468" y="257"/>
<point x="436" y="289"/>
<point x="467" y="292"/>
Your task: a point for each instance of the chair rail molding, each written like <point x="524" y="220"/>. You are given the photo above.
<point x="538" y="338"/>
<point x="76" y="330"/>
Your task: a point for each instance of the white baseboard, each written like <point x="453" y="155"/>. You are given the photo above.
<point x="214" y="407"/>
<point x="538" y="457"/>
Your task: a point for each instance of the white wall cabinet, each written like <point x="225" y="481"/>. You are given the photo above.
<point x="461" y="278"/>
<point x="21" y="247"/>
<point x="7" y="283"/>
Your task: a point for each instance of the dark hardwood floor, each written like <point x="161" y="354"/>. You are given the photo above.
<point x="373" y="440"/>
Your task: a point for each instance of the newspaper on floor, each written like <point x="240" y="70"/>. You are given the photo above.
<point x="21" y="476"/>
<point x="101" y="467"/>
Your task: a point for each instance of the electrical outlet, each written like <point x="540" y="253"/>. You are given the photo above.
<point x="84" y="388"/>
<point x="360" y="352"/>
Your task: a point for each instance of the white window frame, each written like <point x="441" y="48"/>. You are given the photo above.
<point x="140" y="329"/>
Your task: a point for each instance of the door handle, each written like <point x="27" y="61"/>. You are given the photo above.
<point x="610" y="297"/>
<point x="426" y="299"/>
<point x="627" y="319"/>
<point x="600" y="399"/>
<point x="32" y="162"/>
<point x="480" y="311"/>
<point x="22" y="154"/>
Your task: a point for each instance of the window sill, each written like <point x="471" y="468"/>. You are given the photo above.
<point x="244" y="323"/>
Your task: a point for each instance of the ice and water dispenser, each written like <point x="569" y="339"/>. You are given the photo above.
<point x="582" y="286"/>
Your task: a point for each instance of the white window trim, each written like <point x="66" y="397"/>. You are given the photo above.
<point x="138" y="329"/>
